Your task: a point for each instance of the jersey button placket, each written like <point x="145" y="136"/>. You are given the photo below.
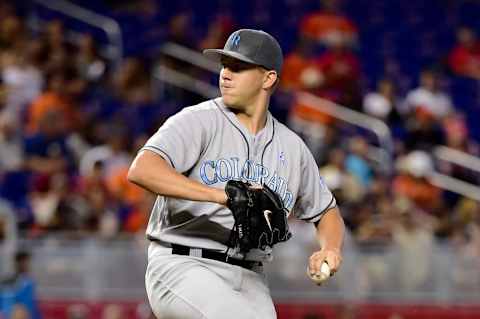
<point x="256" y="148"/>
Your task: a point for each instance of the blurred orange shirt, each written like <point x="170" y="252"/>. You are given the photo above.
<point x="136" y="221"/>
<point x="319" y="25"/>
<point x="122" y="189"/>
<point x="49" y="101"/>
<point x="422" y="193"/>
<point x="291" y="79"/>
<point x="292" y="70"/>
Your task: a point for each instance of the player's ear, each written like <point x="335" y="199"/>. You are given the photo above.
<point x="270" y="79"/>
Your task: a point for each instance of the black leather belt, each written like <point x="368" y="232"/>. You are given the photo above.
<point x="215" y="255"/>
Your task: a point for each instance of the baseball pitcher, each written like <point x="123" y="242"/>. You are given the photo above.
<point x="228" y="175"/>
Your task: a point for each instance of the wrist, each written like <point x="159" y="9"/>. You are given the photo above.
<point x="219" y="196"/>
<point x="331" y="248"/>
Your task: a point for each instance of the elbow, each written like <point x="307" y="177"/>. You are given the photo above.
<point x="133" y="175"/>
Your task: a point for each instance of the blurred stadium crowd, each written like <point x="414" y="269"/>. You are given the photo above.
<point x="71" y="121"/>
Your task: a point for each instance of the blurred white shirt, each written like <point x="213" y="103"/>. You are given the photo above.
<point x="437" y="103"/>
<point x="23" y="85"/>
<point x="377" y="105"/>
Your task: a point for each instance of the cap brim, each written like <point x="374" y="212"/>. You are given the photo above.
<point x="216" y="54"/>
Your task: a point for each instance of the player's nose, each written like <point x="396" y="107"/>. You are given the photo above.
<point x="226" y="73"/>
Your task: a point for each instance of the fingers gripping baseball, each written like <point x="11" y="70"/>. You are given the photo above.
<point x="317" y="270"/>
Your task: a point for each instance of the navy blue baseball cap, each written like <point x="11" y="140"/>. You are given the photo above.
<point x="251" y="46"/>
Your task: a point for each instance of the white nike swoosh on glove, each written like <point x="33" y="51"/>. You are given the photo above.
<point x="266" y="214"/>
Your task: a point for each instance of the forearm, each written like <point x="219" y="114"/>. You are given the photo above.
<point x="153" y="173"/>
<point x="331" y="230"/>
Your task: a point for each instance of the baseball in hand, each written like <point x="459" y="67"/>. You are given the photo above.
<point x="322" y="276"/>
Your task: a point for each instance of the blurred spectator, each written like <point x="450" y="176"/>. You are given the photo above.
<point x="457" y="137"/>
<point x="45" y="198"/>
<point x="6" y="10"/>
<point x="464" y="59"/>
<point x="333" y="75"/>
<point x="343" y="184"/>
<point x="428" y="100"/>
<point x="137" y="219"/>
<point x="132" y="81"/>
<point x="357" y="163"/>
<point x="19" y="290"/>
<point x="12" y="32"/>
<point x="218" y="31"/>
<point x="90" y="65"/>
<point x="372" y="226"/>
<point x="427" y="105"/>
<point x="457" y="134"/>
<point x="415" y="244"/>
<point x="180" y="30"/>
<point x="49" y="160"/>
<point x="328" y="76"/>
<point x="383" y="103"/>
<point x="301" y="73"/>
<point x="413" y="181"/>
<point x="22" y="78"/>
<point x="341" y="72"/>
<point x="56" y="42"/>
<point x="143" y="24"/>
<point x="46" y="150"/>
<point x="329" y="26"/>
<point x="103" y="170"/>
<point x="151" y="18"/>
<point x="113" y="153"/>
<point x="423" y="132"/>
<point x="60" y="53"/>
<point x="134" y="104"/>
<point x="53" y="100"/>
<point x="99" y="203"/>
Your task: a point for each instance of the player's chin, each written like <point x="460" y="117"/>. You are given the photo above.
<point x="229" y="100"/>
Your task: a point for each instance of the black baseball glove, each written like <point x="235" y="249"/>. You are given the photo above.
<point x="260" y="216"/>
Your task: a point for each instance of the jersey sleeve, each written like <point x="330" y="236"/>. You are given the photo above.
<point x="179" y="140"/>
<point x="314" y="197"/>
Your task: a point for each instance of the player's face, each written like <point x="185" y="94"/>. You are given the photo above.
<point x="240" y="82"/>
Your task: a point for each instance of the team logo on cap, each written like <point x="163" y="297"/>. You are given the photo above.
<point x="236" y="40"/>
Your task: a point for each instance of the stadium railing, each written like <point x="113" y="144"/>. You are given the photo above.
<point x="107" y="24"/>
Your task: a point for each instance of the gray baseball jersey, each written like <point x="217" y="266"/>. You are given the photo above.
<point x="207" y="143"/>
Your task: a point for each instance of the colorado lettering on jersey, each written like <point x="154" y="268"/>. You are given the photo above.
<point x="223" y="170"/>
